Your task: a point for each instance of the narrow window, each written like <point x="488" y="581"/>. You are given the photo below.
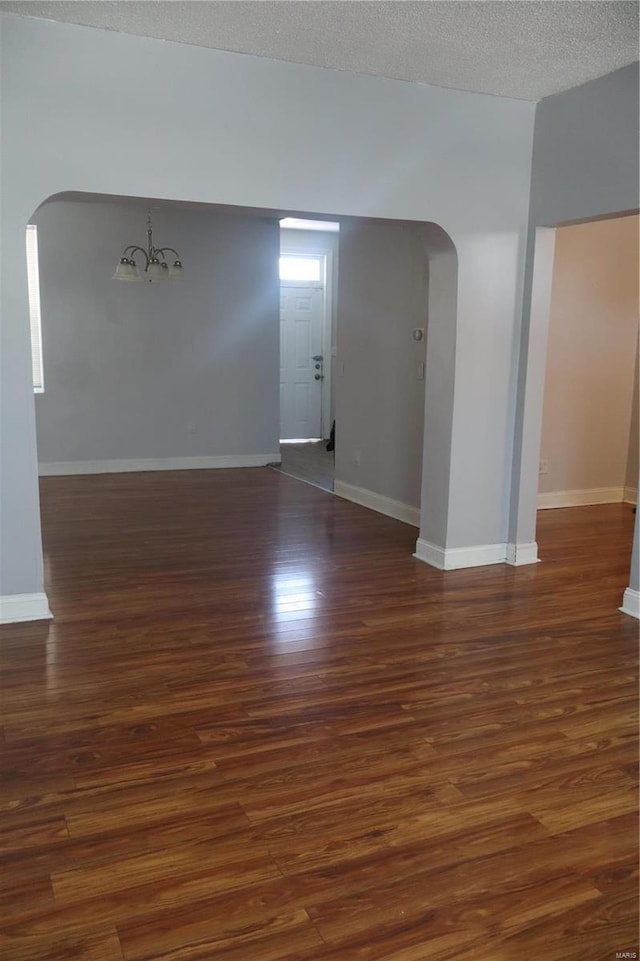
<point x="33" y="275"/>
<point x="300" y="268"/>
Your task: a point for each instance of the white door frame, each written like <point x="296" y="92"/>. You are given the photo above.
<point x="325" y="255"/>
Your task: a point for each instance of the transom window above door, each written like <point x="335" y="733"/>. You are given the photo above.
<point x="306" y="268"/>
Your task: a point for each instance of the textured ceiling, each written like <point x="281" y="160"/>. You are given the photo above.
<point x="514" y="48"/>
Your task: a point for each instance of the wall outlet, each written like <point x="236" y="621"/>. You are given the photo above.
<point x="543" y="467"/>
<point x="191" y="427"/>
<point x="356" y="457"/>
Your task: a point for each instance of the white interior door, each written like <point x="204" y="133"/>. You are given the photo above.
<point x="301" y="360"/>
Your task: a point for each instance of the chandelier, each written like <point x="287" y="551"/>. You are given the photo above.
<point x="155" y="265"/>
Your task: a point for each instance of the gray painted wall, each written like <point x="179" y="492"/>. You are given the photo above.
<point x="442" y="312"/>
<point x="382" y="298"/>
<point x="140" y="370"/>
<point x="585" y="165"/>
<point x="585" y="154"/>
<point x="123" y="115"/>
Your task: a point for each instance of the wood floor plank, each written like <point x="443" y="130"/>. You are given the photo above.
<point x="195" y="940"/>
<point x="452" y="930"/>
<point x="221" y="858"/>
<point x="24" y="896"/>
<point x="94" y="945"/>
<point x="595" y="930"/>
<point x="506" y="873"/>
<point x="561" y="813"/>
<point x="259" y="730"/>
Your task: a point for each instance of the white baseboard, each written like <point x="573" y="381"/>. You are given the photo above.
<point x="631" y="603"/>
<point x="520" y="554"/>
<point x="630" y="495"/>
<point x="58" y="468"/>
<point x="580" y="498"/>
<point x="24" y="607"/>
<point x="455" y="558"/>
<point x="377" y="502"/>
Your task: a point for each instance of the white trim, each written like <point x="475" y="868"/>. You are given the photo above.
<point x="378" y="502"/>
<point x="580" y="498"/>
<point x="455" y="558"/>
<point x="24" y="607"/>
<point x="35" y="310"/>
<point x="631" y="603"/>
<point x="55" y="468"/>
<point x="327" y="342"/>
<point x="630" y="495"/>
<point x="430" y="554"/>
<point x="521" y="554"/>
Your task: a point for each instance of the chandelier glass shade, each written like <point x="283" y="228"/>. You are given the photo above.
<point x="156" y="266"/>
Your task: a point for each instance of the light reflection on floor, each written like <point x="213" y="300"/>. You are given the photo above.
<point x="52" y="657"/>
<point x="294" y="592"/>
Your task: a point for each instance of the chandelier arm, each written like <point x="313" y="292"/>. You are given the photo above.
<point x="133" y="248"/>
<point x="161" y="250"/>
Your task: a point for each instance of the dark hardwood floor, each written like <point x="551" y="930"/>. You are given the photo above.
<point x="259" y="730"/>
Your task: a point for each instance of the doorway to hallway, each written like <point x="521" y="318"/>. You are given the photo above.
<point x="301" y="352"/>
<point x="308" y="461"/>
<point x="307" y="270"/>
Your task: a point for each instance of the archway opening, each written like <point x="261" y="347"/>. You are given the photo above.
<point x="156" y="377"/>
